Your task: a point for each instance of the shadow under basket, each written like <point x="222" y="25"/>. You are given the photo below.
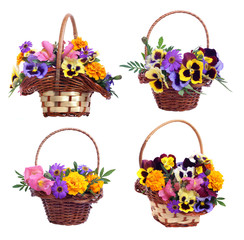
<point x="72" y="210"/>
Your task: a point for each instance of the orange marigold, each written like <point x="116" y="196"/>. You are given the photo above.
<point x="20" y="58"/>
<point x="78" y="43"/>
<point x="215" y="180"/>
<point x="95" y="187"/>
<point x="95" y="70"/>
<point x="155" y="180"/>
<point x="209" y="166"/>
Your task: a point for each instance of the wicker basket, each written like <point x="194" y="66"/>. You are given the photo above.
<point x="71" y="210"/>
<point x="159" y="208"/>
<point x="169" y="99"/>
<point x="61" y="96"/>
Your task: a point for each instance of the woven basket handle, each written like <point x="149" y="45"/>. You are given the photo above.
<point x="173" y="12"/>
<point x="61" y="40"/>
<point x="67" y="129"/>
<point x="162" y="125"/>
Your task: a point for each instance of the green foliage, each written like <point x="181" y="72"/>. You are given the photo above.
<point x="22" y="185"/>
<point x="219" y="201"/>
<point x="134" y="66"/>
<point x="186" y="89"/>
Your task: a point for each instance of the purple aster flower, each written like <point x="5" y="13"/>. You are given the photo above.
<point x="59" y="189"/>
<point x="108" y="82"/>
<point x="203" y="204"/>
<point x="86" y="53"/>
<point x="173" y="206"/>
<point x="56" y="169"/>
<point x="172" y="61"/>
<point x="25" y="47"/>
<point x="84" y="169"/>
<point x="38" y="70"/>
<point x="177" y="84"/>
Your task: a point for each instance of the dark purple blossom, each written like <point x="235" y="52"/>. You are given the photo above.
<point x="173" y="206"/>
<point x="25" y="47"/>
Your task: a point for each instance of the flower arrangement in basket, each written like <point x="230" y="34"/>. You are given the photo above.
<point x="177" y="80"/>
<point x="179" y="192"/>
<point x="66" y="193"/>
<point x="64" y="75"/>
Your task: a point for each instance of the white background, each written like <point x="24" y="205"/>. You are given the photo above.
<point x="119" y="126"/>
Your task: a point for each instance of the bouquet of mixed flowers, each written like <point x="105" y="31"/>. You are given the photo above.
<point x="77" y="58"/>
<point x="191" y="186"/>
<point x="62" y="182"/>
<point x="165" y="67"/>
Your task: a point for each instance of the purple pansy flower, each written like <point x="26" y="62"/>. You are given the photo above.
<point x="84" y="169"/>
<point x="56" y="169"/>
<point x="173" y="206"/>
<point x="25" y="47"/>
<point x="172" y="61"/>
<point x="60" y="189"/>
<point x="203" y="204"/>
<point x="177" y="84"/>
<point x="38" y="70"/>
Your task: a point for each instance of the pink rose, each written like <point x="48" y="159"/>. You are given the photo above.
<point x="32" y="171"/>
<point x="167" y="192"/>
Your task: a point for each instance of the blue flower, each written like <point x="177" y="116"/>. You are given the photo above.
<point x="32" y="69"/>
<point x="177" y="84"/>
<point x="203" y="204"/>
<point x="84" y="169"/>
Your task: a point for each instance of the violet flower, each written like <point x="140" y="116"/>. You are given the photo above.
<point x="173" y="206"/>
<point x="172" y="61"/>
<point x="25" y="47"/>
<point x="56" y="169"/>
<point x="38" y="70"/>
<point x="177" y="84"/>
<point x="86" y="53"/>
<point x="60" y="189"/>
<point x="203" y="204"/>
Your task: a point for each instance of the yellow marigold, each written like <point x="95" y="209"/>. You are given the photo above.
<point x="95" y="70"/>
<point x="78" y="43"/>
<point x="215" y="180"/>
<point x="155" y="180"/>
<point x="20" y="58"/>
<point x="95" y="187"/>
<point x="76" y="183"/>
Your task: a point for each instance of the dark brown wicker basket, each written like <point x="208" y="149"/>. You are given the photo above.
<point x="61" y="96"/>
<point x="71" y="210"/>
<point x="169" y="99"/>
<point x="158" y="206"/>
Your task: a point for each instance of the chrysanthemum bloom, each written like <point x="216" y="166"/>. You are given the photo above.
<point x="172" y="61"/>
<point x="158" y="55"/>
<point x="155" y="74"/>
<point x="187" y="200"/>
<point x="173" y="206"/>
<point x="60" y="189"/>
<point x="72" y="67"/>
<point x="86" y="53"/>
<point x="78" y="43"/>
<point x="95" y="70"/>
<point x="84" y="169"/>
<point x="14" y="77"/>
<point x="155" y="180"/>
<point x="76" y="183"/>
<point x="142" y="174"/>
<point x="191" y="69"/>
<point x="215" y="180"/>
<point x="167" y="192"/>
<point x="168" y="161"/>
<point x="96" y="185"/>
<point x="25" y="47"/>
<point x="203" y="204"/>
<point x="20" y="58"/>
<point x="56" y="169"/>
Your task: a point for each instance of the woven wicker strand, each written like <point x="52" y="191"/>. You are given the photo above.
<point x="169" y="99"/>
<point x="56" y="84"/>
<point x="158" y="206"/>
<point x="71" y="210"/>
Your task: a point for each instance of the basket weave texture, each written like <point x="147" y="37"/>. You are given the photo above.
<point x="159" y="208"/>
<point x="169" y="99"/>
<point x="55" y="84"/>
<point x="71" y="210"/>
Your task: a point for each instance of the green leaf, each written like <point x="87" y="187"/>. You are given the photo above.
<point x="75" y="166"/>
<point x="67" y="172"/>
<point x="101" y="172"/>
<point x="160" y="42"/>
<point x="181" y="92"/>
<point x="220" y="198"/>
<point x="17" y="186"/>
<point x="108" y="173"/>
<point x="143" y="55"/>
<point x="221" y="203"/>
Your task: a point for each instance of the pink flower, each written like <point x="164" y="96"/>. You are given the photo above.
<point x="32" y="171"/>
<point x="192" y="183"/>
<point x="39" y="183"/>
<point x="167" y="192"/>
<point x="46" y="54"/>
<point x="69" y="52"/>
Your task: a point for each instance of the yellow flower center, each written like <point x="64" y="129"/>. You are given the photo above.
<point x="172" y="59"/>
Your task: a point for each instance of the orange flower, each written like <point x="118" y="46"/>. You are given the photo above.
<point x="155" y="180"/>
<point x="209" y="166"/>
<point x="95" y="70"/>
<point x="78" y="43"/>
<point x="20" y="58"/>
<point x="215" y="180"/>
<point x="97" y="185"/>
